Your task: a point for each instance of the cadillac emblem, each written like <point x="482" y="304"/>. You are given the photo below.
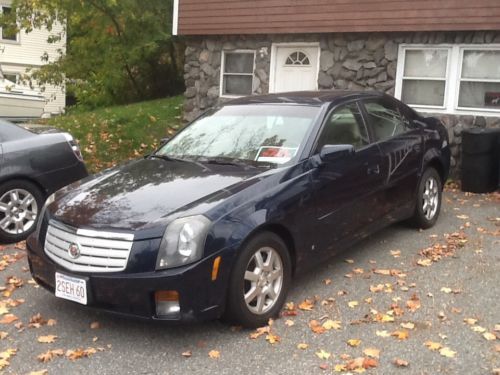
<point x="74" y="251"/>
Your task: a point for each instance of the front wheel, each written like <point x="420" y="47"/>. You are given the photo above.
<point x="429" y="196"/>
<point x="259" y="281"/>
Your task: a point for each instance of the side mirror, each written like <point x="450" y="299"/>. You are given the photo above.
<point x="334" y="152"/>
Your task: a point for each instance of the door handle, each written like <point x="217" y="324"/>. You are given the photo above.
<point x="373" y="170"/>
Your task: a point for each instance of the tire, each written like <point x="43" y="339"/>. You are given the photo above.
<point x="256" y="312"/>
<point x="428" y="201"/>
<point x="20" y="204"/>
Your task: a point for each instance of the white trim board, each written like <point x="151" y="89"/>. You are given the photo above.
<point x="175" y="19"/>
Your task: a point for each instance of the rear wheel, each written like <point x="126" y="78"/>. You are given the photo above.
<point x="259" y="281"/>
<point x="20" y="204"/>
<point x="429" y="194"/>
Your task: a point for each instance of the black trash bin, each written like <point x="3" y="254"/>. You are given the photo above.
<point x="480" y="162"/>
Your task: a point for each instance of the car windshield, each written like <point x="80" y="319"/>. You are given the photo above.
<point x="252" y="134"/>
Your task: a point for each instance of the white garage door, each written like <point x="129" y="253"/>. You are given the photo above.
<point x="294" y="68"/>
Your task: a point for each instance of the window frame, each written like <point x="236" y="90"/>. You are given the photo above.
<point x="223" y="73"/>
<point x="453" y="79"/>
<point x="384" y="102"/>
<point x="15" y="74"/>
<point x="18" y="34"/>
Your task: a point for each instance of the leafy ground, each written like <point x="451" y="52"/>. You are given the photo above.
<point x="401" y="302"/>
<point x="111" y="135"/>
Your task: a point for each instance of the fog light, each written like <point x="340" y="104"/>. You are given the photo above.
<point x="167" y="304"/>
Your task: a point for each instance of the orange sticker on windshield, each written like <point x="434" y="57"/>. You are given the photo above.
<point x="276" y="154"/>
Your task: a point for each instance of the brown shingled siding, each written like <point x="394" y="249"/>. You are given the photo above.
<point x="202" y="17"/>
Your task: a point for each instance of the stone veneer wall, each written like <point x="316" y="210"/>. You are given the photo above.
<point x="347" y="61"/>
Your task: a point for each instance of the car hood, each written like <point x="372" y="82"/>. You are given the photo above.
<point x="143" y="192"/>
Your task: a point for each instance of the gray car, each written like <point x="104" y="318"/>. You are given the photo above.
<point x="35" y="161"/>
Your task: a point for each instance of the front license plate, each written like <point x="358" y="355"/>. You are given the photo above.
<point x="71" y="288"/>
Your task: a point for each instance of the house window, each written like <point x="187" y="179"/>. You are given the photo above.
<point x="450" y="78"/>
<point x="5" y="32"/>
<point x="12" y="77"/>
<point x="298" y="58"/>
<point x="480" y="79"/>
<point x="237" y="73"/>
<point x="424" y="78"/>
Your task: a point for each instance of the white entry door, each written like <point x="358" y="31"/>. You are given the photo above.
<point x="294" y="68"/>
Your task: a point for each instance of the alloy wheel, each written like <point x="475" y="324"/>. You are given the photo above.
<point x="263" y="280"/>
<point x="430" y="198"/>
<point x="18" y="211"/>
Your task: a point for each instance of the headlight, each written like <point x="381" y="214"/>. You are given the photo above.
<point x="49" y="200"/>
<point x="183" y="242"/>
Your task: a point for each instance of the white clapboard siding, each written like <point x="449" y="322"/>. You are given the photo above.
<point x="26" y="53"/>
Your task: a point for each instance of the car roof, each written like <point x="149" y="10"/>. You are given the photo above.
<point x="316" y="98"/>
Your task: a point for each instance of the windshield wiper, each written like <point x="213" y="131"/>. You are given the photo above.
<point x="233" y="162"/>
<point x="168" y="158"/>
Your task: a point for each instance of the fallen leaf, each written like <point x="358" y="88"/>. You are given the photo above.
<point x="446" y="290"/>
<point x="401" y="362"/>
<point x="3" y="335"/>
<point x="95" y="325"/>
<point x="462" y="217"/>
<point x="350" y="261"/>
<point x="382" y="333"/>
<point x="353" y="304"/>
<point x="273" y="339"/>
<point x="340" y="368"/>
<point x="470" y="321"/>
<point x="408" y="325"/>
<point x="322" y="354"/>
<point x="376" y="288"/>
<point x="47" y="339"/>
<point x="187" y="354"/>
<point x="413" y="303"/>
<point x="302" y="346"/>
<point x="8" y="319"/>
<point x="327" y="281"/>
<point x="396" y="253"/>
<point x="40" y="372"/>
<point x="324" y="366"/>
<point x="401" y="334"/>
<point x="354" y="342"/>
<point x="50" y="355"/>
<point x="424" y="262"/>
<point x="372" y="352"/>
<point x="331" y="324"/>
<point x="214" y="354"/>
<point x="316" y="327"/>
<point x="259" y="332"/>
<point x="51" y="322"/>
<point x="478" y="329"/>
<point x="306" y="305"/>
<point x="289" y="323"/>
<point x="447" y="352"/>
<point x="433" y="345"/>
<point x="489" y="336"/>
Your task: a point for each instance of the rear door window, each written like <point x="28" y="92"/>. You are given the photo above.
<point x="385" y="118"/>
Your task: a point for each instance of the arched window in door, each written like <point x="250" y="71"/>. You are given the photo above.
<point x="298" y="58"/>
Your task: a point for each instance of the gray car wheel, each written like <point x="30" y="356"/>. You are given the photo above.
<point x="20" y="204"/>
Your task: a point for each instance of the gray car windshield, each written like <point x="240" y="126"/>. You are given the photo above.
<point x="267" y="134"/>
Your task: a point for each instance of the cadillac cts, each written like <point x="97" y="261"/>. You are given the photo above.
<point x="222" y="216"/>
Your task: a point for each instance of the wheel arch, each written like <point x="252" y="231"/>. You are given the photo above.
<point x="281" y="231"/>
<point x="24" y="178"/>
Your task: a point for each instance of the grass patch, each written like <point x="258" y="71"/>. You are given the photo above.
<point x="111" y="135"/>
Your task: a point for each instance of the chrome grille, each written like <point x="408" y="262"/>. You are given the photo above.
<point x="99" y="251"/>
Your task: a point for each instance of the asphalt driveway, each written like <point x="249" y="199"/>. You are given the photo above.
<point x="428" y="300"/>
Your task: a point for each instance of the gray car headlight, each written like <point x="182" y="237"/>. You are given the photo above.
<point x="183" y="242"/>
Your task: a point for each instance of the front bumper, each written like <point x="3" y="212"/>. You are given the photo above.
<point x="133" y="294"/>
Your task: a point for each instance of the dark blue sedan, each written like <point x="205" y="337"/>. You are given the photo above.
<point x="220" y="218"/>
